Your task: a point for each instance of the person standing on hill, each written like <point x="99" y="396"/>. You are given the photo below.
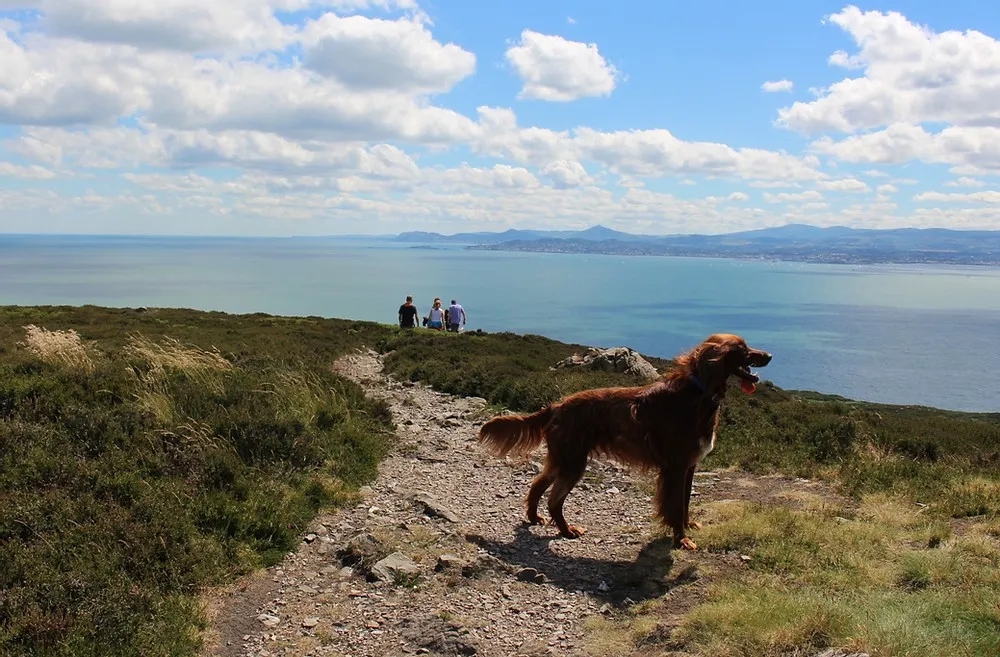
<point x="435" y="318"/>
<point x="456" y="316"/>
<point x="408" y="314"/>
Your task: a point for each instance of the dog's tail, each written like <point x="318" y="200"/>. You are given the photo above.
<point x="519" y="434"/>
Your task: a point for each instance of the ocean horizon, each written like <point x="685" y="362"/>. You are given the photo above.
<point x="898" y="334"/>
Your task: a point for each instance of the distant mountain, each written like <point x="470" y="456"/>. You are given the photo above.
<point x="799" y="242"/>
<point x="594" y="233"/>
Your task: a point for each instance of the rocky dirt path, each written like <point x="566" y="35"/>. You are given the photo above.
<point x="436" y="558"/>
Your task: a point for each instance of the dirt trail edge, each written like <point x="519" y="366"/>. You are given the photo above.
<point x="436" y="558"/>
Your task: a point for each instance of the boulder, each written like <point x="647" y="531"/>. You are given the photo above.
<point x="616" y="359"/>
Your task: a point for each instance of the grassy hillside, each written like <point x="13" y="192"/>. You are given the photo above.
<point x="908" y="565"/>
<point x="922" y="452"/>
<point x="145" y="454"/>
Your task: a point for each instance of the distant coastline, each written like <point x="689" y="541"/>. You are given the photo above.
<point x="791" y="243"/>
<point x="817" y="255"/>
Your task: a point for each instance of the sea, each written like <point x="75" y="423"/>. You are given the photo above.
<point x="899" y="334"/>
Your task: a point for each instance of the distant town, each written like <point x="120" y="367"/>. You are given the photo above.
<point x="794" y="242"/>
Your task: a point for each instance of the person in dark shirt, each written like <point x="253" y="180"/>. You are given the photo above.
<point x="408" y="314"/>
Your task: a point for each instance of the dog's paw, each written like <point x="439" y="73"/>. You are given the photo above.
<point x="573" y="531"/>
<point x="687" y="544"/>
<point x="538" y="520"/>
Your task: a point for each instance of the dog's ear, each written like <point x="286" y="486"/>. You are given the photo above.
<point x="710" y="364"/>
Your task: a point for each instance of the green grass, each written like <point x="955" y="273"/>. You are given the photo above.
<point x="155" y="453"/>
<point x="892" y="581"/>
<point x="914" y="570"/>
<point x="946" y="458"/>
<point x="508" y="370"/>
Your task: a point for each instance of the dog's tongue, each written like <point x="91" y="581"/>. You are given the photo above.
<point x="748" y="387"/>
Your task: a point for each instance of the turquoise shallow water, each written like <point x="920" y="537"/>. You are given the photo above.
<point x="896" y="334"/>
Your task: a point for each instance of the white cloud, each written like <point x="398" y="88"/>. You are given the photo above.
<point x="777" y="86"/>
<point x="337" y="121"/>
<point x="188" y="25"/>
<point x="367" y="53"/>
<point x="127" y="147"/>
<point x="843" y="185"/>
<point x="556" y="69"/>
<point x="634" y="152"/>
<point x="774" y="184"/>
<point x="911" y="75"/>
<point x="31" y="172"/>
<point x="991" y="197"/>
<point x="965" y="181"/>
<point x="566" y="173"/>
<point x="185" y="25"/>
<point x="976" y="149"/>
<point x="792" y="197"/>
<point x="47" y="81"/>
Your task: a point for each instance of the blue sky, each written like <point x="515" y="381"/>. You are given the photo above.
<point x="376" y="116"/>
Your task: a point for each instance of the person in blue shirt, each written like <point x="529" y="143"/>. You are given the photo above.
<point x="456" y="316"/>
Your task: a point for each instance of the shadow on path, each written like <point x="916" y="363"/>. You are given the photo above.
<point x="624" y="582"/>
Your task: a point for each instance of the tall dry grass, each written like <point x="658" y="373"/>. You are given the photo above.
<point x="152" y="363"/>
<point x="172" y="354"/>
<point x="65" y="348"/>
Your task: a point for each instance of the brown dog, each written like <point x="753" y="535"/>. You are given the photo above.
<point x="668" y="425"/>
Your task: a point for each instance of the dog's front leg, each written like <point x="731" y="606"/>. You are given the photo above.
<point x="688" y="485"/>
<point x="671" y="487"/>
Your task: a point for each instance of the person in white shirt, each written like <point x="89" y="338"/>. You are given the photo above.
<point x="435" y="318"/>
<point x="456" y="316"/>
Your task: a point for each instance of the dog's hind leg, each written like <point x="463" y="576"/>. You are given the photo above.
<point x="540" y="484"/>
<point x="566" y="478"/>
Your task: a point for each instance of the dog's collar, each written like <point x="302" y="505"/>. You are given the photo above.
<point x="716" y="398"/>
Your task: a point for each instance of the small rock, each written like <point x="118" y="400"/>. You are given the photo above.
<point x="433" y="635"/>
<point x="310" y="538"/>
<point x="433" y="507"/>
<point x="362" y="549"/>
<point x="310" y="622"/>
<point x="530" y="575"/>
<point x="268" y="620"/>
<point x="394" y="566"/>
<point x="744" y="557"/>
<point x="448" y="561"/>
